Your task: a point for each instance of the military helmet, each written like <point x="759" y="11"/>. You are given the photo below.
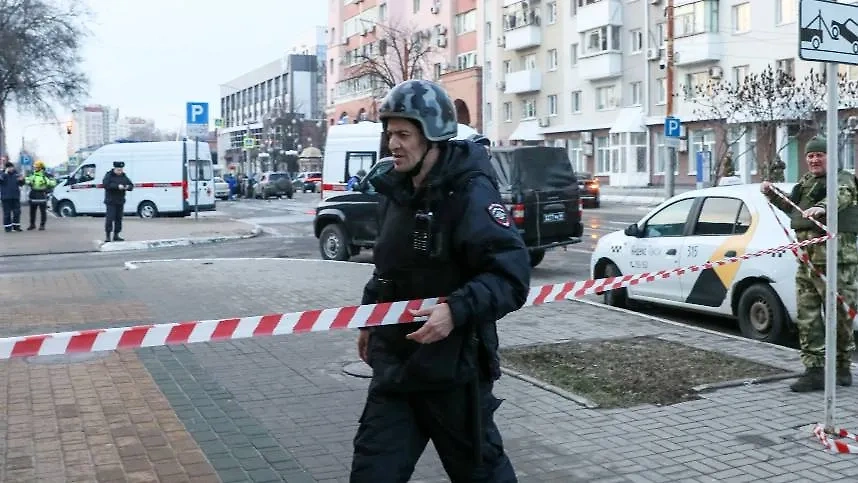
<point x="425" y="102"/>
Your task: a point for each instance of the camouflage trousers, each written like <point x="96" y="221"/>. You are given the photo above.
<point x="810" y="295"/>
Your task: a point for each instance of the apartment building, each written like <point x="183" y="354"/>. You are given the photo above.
<point x="589" y="75"/>
<point x="93" y="125"/>
<point x="446" y="32"/>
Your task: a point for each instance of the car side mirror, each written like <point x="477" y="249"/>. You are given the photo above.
<point x="633" y="230"/>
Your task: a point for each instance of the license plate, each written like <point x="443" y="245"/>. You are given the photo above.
<point x="553" y="217"/>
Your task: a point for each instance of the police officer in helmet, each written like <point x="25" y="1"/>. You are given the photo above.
<point x="443" y="232"/>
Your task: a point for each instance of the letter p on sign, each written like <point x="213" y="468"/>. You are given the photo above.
<point x="197" y="113"/>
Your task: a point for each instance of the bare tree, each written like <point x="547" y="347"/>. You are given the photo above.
<point x="40" y="56"/>
<point x="401" y="53"/>
<point x="761" y="101"/>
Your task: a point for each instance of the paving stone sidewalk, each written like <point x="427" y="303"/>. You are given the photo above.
<point x="86" y="234"/>
<point x="281" y="408"/>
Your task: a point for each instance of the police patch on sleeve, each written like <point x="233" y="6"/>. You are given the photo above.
<point x="499" y="214"/>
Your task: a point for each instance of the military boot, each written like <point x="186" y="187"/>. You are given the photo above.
<point x="813" y="379"/>
<point x="844" y="376"/>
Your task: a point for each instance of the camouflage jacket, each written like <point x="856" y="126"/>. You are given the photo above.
<point x="810" y="191"/>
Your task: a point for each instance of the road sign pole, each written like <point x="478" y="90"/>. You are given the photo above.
<point x="197" y="178"/>
<point x="832" y="86"/>
<point x="670" y="168"/>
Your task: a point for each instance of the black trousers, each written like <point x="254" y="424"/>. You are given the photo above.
<point x="395" y="428"/>
<point x="11" y="214"/>
<point x="42" y="207"/>
<point x="113" y="218"/>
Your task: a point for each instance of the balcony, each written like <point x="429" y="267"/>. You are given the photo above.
<point x="523" y="37"/>
<point x="523" y="81"/>
<point x="696" y="49"/>
<point x="601" y="66"/>
<point x="599" y="14"/>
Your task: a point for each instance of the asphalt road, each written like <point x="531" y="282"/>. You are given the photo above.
<point x="288" y="233"/>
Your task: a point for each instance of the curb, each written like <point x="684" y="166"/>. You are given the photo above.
<point x="102" y="246"/>
<point x="133" y="264"/>
<point x="581" y="400"/>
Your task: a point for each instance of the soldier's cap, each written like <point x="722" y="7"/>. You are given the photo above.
<point x="817" y="144"/>
<point x="8" y="164"/>
<point x="118" y="164"/>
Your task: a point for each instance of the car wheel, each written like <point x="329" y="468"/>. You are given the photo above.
<point x="536" y="257"/>
<point x="333" y="244"/>
<point x="618" y="297"/>
<point x="761" y="314"/>
<point x="597" y="203"/>
<point x="147" y="210"/>
<point x="290" y="195"/>
<point x="66" y="209"/>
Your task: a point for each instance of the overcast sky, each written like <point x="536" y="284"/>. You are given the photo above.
<point x="149" y="58"/>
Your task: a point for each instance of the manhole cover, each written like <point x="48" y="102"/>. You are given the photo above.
<point x="358" y="369"/>
<point x="68" y="358"/>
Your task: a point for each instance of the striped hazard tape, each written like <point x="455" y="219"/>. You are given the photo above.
<point x="836" y="445"/>
<point x="350" y="317"/>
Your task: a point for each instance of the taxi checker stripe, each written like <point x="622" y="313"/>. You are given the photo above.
<point x="805" y="258"/>
<point x="349" y="317"/>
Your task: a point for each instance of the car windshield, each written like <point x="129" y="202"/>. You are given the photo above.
<point x="314" y="175"/>
<point x="278" y="176"/>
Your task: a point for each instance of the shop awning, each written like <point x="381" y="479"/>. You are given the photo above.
<point x="527" y="131"/>
<point x="629" y="119"/>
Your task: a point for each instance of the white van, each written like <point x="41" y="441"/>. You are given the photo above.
<point x="352" y="147"/>
<point x="164" y="175"/>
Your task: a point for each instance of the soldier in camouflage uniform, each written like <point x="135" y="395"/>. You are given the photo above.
<point x="809" y="194"/>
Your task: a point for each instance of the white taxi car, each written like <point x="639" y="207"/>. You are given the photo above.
<point x="706" y="225"/>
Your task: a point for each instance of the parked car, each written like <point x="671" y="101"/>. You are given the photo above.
<point x="705" y="225"/>
<point x="308" y="181"/>
<point x="537" y="184"/>
<point x="221" y="188"/>
<point x="588" y="188"/>
<point x="274" y="183"/>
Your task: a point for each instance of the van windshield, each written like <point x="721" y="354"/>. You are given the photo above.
<point x="205" y="168"/>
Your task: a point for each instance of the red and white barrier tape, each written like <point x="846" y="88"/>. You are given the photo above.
<point x="836" y="445"/>
<point x="805" y="258"/>
<point x="350" y="317"/>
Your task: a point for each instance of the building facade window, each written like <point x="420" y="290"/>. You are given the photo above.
<point x="603" y="156"/>
<point x="696" y="18"/>
<point x="742" y="18"/>
<point x="552" y="59"/>
<point x="786" y="11"/>
<point x="528" y="109"/>
<point x="489" y="114"/>
<point x="551" y="12"/>
<point x="575" y="102"/>
<point x="701" y="140"/>
<point x="573" y="146"/>
<point x="635" y="93"/>
<point x="618" y="153"/>
<point x="602" y="40"/>
<point x="740" y="73"/>
<point x="466" y="60"/>
<point x="637" y="149"/>
<point x="507" y="112"/>
<point x="637" y="40"/>
<point x="552" y="105"/>
<point x="605" y="98"/>
<point x="466" y="22"/>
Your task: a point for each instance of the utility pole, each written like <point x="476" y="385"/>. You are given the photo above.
<point x="670" y="169"/>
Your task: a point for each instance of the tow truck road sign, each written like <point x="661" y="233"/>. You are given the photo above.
<point x="828" y="31"/>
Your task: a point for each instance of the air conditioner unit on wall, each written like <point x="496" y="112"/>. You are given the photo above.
<point x="501" y="41"/>
<point x="716" y="72"/>
<point x="544" y="122"/>
<point x="442" y="41"/>
<point x="587" y="137"/>
<point x="654" y="2"/>
<point x="434" y="9"/>
<point x="500" y="85"/>
<point x="653" y="53"/>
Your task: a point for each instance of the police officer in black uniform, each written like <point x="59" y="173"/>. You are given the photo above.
<point x="116" y="183"/>
<point x="444" y="232"/>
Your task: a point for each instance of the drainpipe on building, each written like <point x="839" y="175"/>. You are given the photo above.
<point x="646" y="111"/>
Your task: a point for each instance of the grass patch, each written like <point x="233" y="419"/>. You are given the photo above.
<point x="629" y="372"/>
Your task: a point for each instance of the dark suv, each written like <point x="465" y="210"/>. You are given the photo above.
<point x="274" y="183"/>
<point x="537" y="184"/>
